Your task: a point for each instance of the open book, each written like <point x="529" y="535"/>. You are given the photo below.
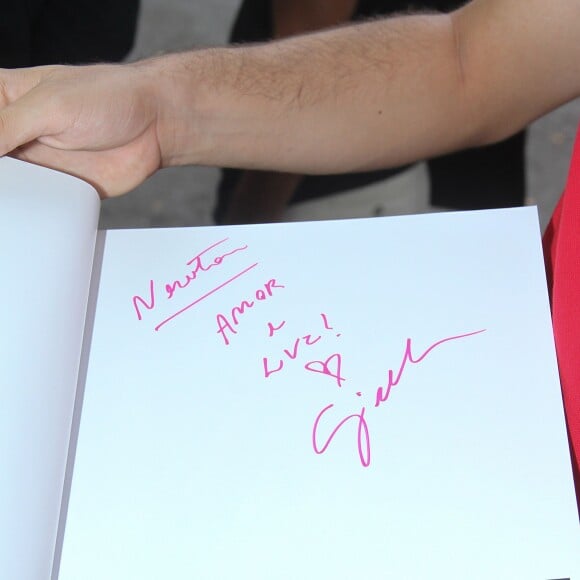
<point x="370" y="398"/>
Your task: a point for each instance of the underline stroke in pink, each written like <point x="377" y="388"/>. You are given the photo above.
<point x="198" y="300"/>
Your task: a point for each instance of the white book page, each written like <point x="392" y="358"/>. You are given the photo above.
<point x="48" y="224"/>
<point x="359" y="399"/>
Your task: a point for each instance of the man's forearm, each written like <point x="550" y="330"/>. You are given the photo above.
<point x="348" y="99"/>
<point x="379" y="94"/>
<point x="262" y="196"/>
<point x="359" y="97"/>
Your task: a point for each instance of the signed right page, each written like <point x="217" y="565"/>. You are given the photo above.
<point x="358" y="399"/>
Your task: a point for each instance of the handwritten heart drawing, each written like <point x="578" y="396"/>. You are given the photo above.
<point x="330" y="367"/>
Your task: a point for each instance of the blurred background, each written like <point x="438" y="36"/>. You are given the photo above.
<point x="186" y="196"/>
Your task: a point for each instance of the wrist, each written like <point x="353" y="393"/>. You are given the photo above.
<point x="173" y="83"/>
<point x="212" y="107"/>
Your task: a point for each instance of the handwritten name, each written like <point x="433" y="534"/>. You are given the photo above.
<point x="362" y="433"/>
<point x="198" y="265"/>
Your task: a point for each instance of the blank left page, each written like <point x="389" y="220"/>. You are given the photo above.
<point x="48" y="224"/>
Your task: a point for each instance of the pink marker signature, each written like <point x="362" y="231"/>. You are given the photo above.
<point x="330" y="367"/>
<point x="362" y="434"/>
<point x="200" y="263"/>
<point x="363" y="443"/>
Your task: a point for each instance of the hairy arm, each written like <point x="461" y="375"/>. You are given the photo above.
<point x="358" y="97"/>
<point x="386" y="92"/>
<point x="262" y="196"/>
<point x="342" y="100"/>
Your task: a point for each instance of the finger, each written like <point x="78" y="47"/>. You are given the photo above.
<point x="111" y="172"/>
<point x="23" y="120"/>
<point x="85" y="165"/>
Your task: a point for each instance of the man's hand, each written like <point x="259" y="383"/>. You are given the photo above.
<point x="96" y="122"/>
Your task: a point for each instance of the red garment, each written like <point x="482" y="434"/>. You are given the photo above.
<point x="562" y="255"/>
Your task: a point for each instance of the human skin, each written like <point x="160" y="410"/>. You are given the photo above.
<point x="355" y="98"/>
<point x="262" y="196"/>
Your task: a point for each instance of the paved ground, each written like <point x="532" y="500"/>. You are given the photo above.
<point x="184" y="196"/>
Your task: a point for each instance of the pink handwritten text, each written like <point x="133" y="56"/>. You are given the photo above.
<point x="363" y="438"/>
<point x="291" y="353"/>
<point x="199" y="266"/>
<point x="226" y="324"/>
<point x="382" y="394"/>
<point x="202" y="262"/>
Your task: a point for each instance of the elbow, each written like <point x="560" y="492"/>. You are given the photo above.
<point x="487" y="113"/>
<point x="477" y="127"/>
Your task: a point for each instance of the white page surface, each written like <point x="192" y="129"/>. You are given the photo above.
<point x="268" y="457"/>
<point x="48" y="225"/>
